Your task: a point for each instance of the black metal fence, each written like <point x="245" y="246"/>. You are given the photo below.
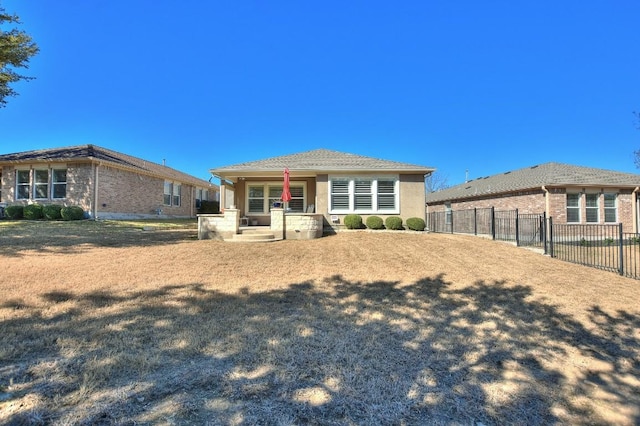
<point x="599" y="246"/>
<point x="506" y="225"/>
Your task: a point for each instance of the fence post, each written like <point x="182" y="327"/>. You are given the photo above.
<point x="493" y="223"/>
<point x="452" y="221"/>
<point x="621" y="248"/>
<point x="543" y="231"/>
<point x="551" y="236"/>
<point x="517" y="229"/>
<point x="475" y="221"/>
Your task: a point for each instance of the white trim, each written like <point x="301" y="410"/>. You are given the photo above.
<point x="374" y="194"/>
<point x="265" y="203"/>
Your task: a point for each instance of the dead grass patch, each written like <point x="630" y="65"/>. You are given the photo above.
<point x="357" y="328"/>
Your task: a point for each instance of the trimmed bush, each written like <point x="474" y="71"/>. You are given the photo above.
<point x="14" y="212"/>
<point x="72" y="213"/>
<point x="52" y="211"/>
<point x="32" y="212"/>
<point x="416" y="224"/>
<point x="394" y="222"/>
<point x="375" y="222"/>
<point x="353" y="221"/>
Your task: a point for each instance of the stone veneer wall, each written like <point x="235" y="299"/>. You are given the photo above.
<point x="303" y="226"/>
<point x="218" y="226"/>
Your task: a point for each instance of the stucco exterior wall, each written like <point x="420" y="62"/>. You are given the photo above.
<point x="412" y="196"/>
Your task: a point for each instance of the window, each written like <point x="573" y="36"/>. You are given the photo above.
<point x="448" y="213"/>
<point x="610" y="208"/>
<point x="256" y="199"/>
<point x="386" y="195"/>
<point x="591" y="205"/>
<point x="176" y="194"/>
<point x="340" y="195"/>
<point x="59" y="183"/>
<point x="201" y="195"/>
<point x="275" y="193"/>
<point x="364" y="195"/>
<point x="40" y="184"/>
<point x="22" y="184"/>
<point x="573" y="208"/>
<point x="0" y="185"/>
<point x="297" y="199"/>
<point x="167" y="193"/>
<point x="262" y="196"/>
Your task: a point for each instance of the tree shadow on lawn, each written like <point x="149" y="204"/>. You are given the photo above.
<point x="70" y="238"/>
<point x="330" y="352"/>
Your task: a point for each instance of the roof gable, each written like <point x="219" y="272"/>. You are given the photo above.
<point x="547" y="174"/>
<point x="93" y="153"/>
<point x="321" y="160"/>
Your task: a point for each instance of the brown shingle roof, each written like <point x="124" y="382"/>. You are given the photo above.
<point x="95" y="153"/>
<point x="321" y="160"/>
<point x="547" y="174"/>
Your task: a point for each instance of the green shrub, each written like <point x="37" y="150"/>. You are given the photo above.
<point x="72" y="213"/>
<point x="52" y="211"/>
<point x="14" y="212"/>
<point x="375" y="222"/>
<point x="393" y="222"/>
<point x="416" y="224"/>
<point x="353" y="221"/>
<point x="32" y="212"/>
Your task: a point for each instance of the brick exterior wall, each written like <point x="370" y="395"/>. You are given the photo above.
<point x="121" y="194"/>
<point x="554" y="203"/>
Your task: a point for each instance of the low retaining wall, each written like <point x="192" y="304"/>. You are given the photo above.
<point x="218" y="226"/>
<point x="303" y="226"/>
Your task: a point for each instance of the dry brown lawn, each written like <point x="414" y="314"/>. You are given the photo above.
<point x="109" y="324"/>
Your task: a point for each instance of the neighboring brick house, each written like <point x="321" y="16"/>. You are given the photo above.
<point x="330" y="183"/>
<point x="567" y="193"/>
<point x="105" y="183"/>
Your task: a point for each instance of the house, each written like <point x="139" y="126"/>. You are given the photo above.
<point x="325" y="186"/>
<point x="105" y="183"/>
<point x="566" y="193"/>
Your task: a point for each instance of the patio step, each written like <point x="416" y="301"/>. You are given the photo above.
<point x="254" y="235"/>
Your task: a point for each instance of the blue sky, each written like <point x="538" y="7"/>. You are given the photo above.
<point x="458" y="85"/>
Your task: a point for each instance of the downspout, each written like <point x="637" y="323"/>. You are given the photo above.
<point x="193" y="201"/>
<point x="546" y="200"/>
<point x="634" y="209"/>
<point x="547" y="203"/>
<point x="95" y="191"/>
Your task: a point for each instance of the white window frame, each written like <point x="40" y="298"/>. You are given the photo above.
<point x="176" y="199"/>
<point x="167" y="191"/>
<point x="26" y="185"/>
<point x="448" y="213"/>
<point x="55" y="183"/>
<point x="578" y="207"/>
<point x="592" y="209"/>
<point x="613" y="208"/>
<point x="266" y="204"/>
<point x="351" y="179"/>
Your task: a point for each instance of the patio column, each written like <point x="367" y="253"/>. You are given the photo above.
<point x="277" y="223"/>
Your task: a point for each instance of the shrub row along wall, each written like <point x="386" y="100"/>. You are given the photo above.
<point x="354" y="221"/>
<point x="47" y="212"/>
